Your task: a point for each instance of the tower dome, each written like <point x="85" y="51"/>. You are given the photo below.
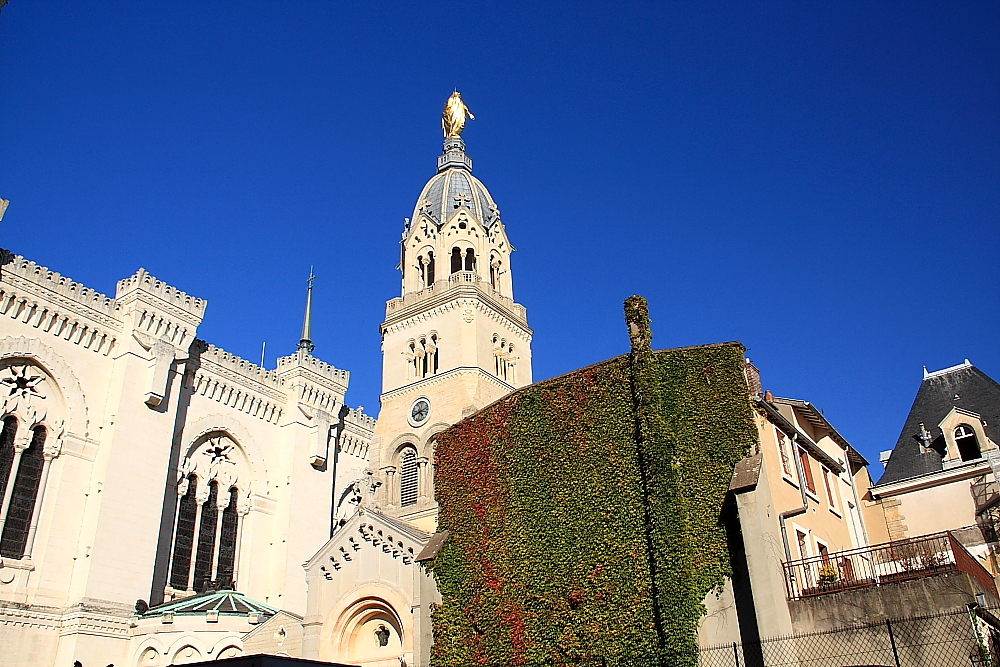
<point x="454" y="186"/>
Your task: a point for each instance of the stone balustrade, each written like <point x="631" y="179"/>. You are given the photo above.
<point x="456" y="280"/>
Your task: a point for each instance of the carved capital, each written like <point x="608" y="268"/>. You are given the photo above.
<point x="53" y="448"/>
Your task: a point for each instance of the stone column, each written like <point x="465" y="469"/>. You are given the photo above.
<point x="47" y="456"/>
<point x="423" y="486"/>
<point x="391" y="495"/>
<point x="220" y="508"/>
<point x="241" y="512"/>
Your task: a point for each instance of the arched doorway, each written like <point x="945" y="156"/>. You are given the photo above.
<point x="369" y="632"/>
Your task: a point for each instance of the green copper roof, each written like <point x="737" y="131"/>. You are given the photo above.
<point x="224" y="602"/>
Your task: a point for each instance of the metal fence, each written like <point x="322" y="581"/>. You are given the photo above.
<point x="964" y="637"/>
<point x="883" y="563"/>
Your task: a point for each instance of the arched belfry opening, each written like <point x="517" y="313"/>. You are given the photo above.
<point x="456" y="260"/>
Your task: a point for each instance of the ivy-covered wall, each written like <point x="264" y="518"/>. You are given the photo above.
<point x="584" y="510"/>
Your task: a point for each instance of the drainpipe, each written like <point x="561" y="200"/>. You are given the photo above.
<point x="805" y="500"/>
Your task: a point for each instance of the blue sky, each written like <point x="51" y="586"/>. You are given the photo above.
<point x="816" y="180"/>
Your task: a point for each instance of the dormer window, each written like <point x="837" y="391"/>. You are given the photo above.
<point x="968" y="443"/>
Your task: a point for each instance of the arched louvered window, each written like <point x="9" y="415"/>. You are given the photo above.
<point x="22" y="500"/>
<point x="206" y="538"/>
<point x="968" y="443"/>
<point x="409" y="480"/>
<point x="434" y="354"/>
<point x="456" y="260"/>
<point x="425" y="359"/>
<point x="180" y="567"/>
<point x="6" y="451"/>
<point x="227" y="541"/>
<point x="470" y="260"/>
<point x="430" y="268"/>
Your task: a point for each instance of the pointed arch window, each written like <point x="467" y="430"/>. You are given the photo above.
<point x="409" y="478"/>
<point x="495" y="272"/>
<point x="23" y="497"/>
<point x="6" y="452"/>
<point x="227" y="540"/>
<point x="206" y="538"/>
<point x="180" y="566"/>
<point x="968" y="443"/>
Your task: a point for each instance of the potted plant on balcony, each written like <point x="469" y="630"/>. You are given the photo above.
<point x="828" y="575"/>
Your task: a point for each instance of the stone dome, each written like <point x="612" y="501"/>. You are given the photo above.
<point x="455" y="186"/>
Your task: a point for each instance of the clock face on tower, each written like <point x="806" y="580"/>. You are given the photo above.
<point x="420" y="411"/>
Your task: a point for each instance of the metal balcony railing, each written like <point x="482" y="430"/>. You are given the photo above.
<point x="881" y="564"/>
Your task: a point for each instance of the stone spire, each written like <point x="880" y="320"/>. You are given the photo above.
<point x="306" y="343"/>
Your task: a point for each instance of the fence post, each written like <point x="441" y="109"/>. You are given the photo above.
<point x="892" y="640"/>
<point x="736" y="654"/>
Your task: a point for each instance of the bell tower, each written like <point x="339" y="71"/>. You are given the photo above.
<point x="456" y="340"/>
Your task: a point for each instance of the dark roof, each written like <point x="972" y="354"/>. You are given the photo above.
<point x="433" y="546"/>
<point x="963" y="386"/>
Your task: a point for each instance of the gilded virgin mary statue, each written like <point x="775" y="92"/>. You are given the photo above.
<point x="453" y="118"/>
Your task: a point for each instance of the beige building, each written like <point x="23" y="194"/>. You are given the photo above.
<point x="942" y="474"/>
<point x="800" y="495"/>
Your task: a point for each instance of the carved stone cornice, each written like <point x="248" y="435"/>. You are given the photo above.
<point x="422" y="384"/>
<point x="409" y="305"/>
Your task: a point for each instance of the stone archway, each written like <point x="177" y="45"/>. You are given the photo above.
<point x="370" y="632"/>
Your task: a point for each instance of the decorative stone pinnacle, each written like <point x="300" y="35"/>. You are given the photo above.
<point x="306" y="343"/>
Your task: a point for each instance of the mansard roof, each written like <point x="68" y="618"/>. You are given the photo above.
<point x="224" y="602"/>
<point x="963" y="386"/>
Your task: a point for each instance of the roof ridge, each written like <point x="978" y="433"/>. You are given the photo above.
<point x="945" y="371"/>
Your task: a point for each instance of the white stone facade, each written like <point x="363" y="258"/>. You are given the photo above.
<point x="113" y="410"/>
<point x="147" y="465"/>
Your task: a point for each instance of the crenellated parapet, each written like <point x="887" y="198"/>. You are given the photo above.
<point x="59" y="306"/>
<point x="239" y="366"/>
<point x="143" y="282"/>
<point x="59" y="288"/>
<point x="357" y="429"/>
<point x="312" y="381"/>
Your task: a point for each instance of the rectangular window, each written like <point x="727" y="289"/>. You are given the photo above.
<point x="786" y="465"/>
<point x="829" y="487"/>
<point x="824" y="552"/>
<point x="801" y="538"/>
<point x="807" y="470"/>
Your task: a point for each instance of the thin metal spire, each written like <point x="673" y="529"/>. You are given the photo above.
<point x="307" y="323"/>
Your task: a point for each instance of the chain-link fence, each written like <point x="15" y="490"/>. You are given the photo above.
<point x="963" y="637"/>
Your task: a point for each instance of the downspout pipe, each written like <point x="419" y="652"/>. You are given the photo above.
<point x="805" y="500"/>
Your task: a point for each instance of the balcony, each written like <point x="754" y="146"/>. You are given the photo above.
<point x="892" y="562"/>
<point x="456" y="281"/>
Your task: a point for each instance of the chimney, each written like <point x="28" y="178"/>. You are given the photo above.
<point x="768" y="396"/>
<point x="753" y="378"/>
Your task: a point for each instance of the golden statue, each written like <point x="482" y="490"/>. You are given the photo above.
<point x="453" y="118"/>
